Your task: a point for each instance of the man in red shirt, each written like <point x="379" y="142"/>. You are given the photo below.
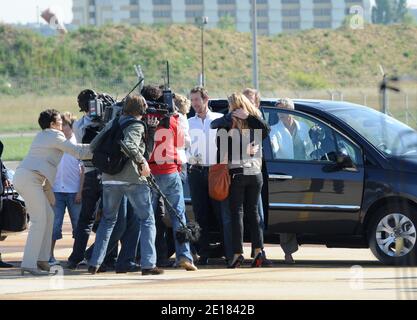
<point x="165" y="165"/>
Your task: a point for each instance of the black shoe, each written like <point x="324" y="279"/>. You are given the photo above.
<point x="5" y="265"/>
<point x="266" y="263"/>
<point x="202" y="261"/>
<point x="103" y="268"/>
<point x="165" y="264"/>
<point x="92" y="270"/>
<point x="237" y="263"/>
<point x="71" y="265"/>
<point x="258" y="261"/>
<point x="152" y="272"/>
<point x="289" y="259"/>
<point x="108" y="267"/>
<point x="135" y="268"/>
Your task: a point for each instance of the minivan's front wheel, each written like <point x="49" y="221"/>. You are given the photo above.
<point x="392" y="235"/>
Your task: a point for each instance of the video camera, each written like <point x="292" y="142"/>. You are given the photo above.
<point x="104" y="108"/>
<point x="160" y="106"/>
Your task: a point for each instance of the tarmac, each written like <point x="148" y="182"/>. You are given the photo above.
<point x="319" y="273"/>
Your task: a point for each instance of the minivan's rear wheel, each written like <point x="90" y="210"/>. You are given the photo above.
<point x="392" y="235"/>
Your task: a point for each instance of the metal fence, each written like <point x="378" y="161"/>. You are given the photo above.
<point x="402" y="106"/>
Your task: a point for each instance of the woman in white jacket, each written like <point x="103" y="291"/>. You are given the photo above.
<point x="33" y="180"/>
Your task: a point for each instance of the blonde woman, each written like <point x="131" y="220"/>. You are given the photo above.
<point x="182" y="103"/>
<point x="253" y="96"/>
<point x="33" y="180"/>
<point x="246" y="129"/>
<point x="183" y="106"/>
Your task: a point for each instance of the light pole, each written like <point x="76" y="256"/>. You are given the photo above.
<point x="255" y="77"/>
<point x="201" y="22"/>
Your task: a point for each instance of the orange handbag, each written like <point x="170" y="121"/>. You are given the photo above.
<point x="219" y="182"/>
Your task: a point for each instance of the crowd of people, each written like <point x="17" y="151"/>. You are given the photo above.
<point x="58" y="174"/>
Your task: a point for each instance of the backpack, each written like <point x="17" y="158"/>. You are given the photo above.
<point x="91" y="131"/>
<point x="108" y="157"/>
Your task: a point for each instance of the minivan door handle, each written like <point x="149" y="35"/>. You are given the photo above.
<point x="280" y="177"/>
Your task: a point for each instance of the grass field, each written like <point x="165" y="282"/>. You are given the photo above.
<point x="19" y="114"/>
<point x="15" y="148"/>
<point x="104" y="57"/>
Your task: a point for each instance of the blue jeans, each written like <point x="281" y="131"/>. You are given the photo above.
<point x="65" y="201"/>
<point x="139" y="196"/>
<point x="171" y="187"/>
<point x="126" y="230"/>
<point x="128" y="233"/>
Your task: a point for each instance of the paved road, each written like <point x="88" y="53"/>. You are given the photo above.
<point x="320" y="273"/>
<point x="18" y="134"/>
<point x="12" y="165"/>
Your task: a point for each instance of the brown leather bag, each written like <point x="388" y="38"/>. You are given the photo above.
<point x="219" y="182"/>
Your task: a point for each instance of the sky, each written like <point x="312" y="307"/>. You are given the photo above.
<point x="24" y="11"/>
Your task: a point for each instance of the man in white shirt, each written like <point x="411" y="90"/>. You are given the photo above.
<point x="290" y="140"/>
<point x="281" y="142"/>
<point x="201" y="155"/>
<point x="290" y="137"/>
<point x="67" y="187"/>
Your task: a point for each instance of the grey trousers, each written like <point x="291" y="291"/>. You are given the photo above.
<point x="288" y="242"/>
<point x="30" y="185"/>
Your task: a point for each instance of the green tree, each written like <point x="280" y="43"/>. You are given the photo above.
<point x="409" y="19"/>
<point x="389" y="11"/>
<point x="400" y="11"/>
<point x="382" y="12"/>
<point x="227" y="22"/>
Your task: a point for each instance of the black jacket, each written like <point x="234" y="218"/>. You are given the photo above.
<point x="226" y="123"/>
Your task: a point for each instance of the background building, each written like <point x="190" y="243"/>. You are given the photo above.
<point x="274" y="16"/>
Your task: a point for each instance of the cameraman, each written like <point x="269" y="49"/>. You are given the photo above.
<point x="130" y="182"/>
<point x="85" y="129"/>
<point x="165" y="165"/>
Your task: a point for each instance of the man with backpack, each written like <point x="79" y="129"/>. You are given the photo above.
<point x="124" y="177"/>
<point x="85" y="129"/>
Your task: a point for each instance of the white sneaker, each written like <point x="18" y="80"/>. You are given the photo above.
<point x="53" y="262"/>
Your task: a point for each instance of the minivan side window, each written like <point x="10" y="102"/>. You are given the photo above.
<point x="298" y="137"/>
<point x="352" y="150"/>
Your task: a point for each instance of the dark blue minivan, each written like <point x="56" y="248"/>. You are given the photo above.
<point x="354" y="187"/>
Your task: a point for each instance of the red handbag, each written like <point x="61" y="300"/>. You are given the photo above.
<point x="219" y="182"/>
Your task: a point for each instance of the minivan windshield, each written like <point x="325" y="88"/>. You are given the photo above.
<point x="389" y="135"/>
